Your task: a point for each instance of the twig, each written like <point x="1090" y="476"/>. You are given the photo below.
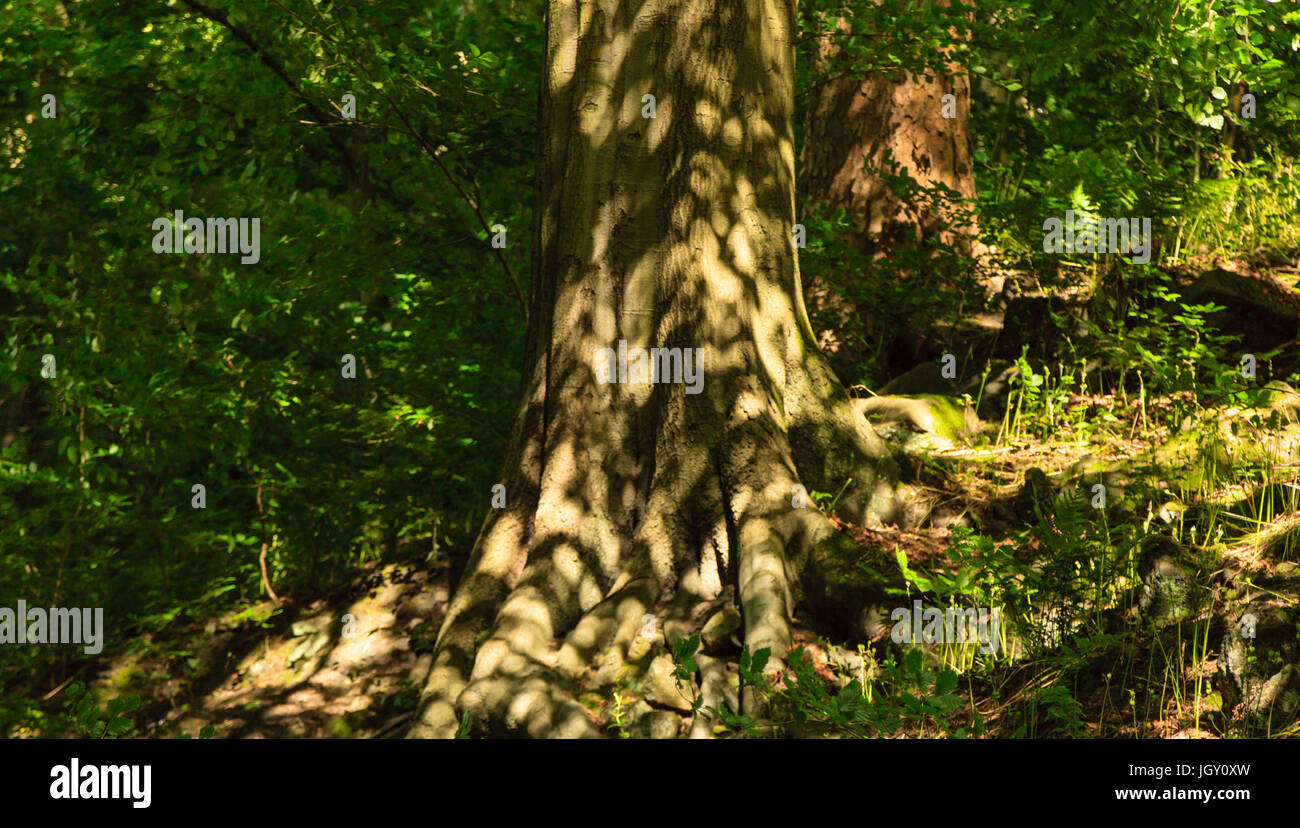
<point x="391" y="725"/>
<point x="261" y="560"/>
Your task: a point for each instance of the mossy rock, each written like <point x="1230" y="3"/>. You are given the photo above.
<point x="1170" y="591"/>
<point x="657" y="684"/>
<point x="1202" y="456"/>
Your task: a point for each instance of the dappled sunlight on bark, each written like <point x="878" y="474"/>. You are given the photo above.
<point x="671" y="231"/>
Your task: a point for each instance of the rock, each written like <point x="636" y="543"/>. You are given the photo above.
<point x="1169" y="592"/>
<point x="659" y="687"/>
<point x="639" y="710"/>
<point x="850" y="665"/>
<point x="926" y="378"/>
<point x="1261" y="673"/>
<point x="1279" y="395"/>
<point x="1220" y="439"/>
<point x="647" y="635"/>
<point x="1258" y="311"/>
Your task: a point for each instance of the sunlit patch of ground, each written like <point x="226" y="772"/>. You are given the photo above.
<point x="347" y="666"/>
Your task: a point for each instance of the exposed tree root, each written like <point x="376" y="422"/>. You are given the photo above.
<point x="671" y="234"/>
<point x="516" y="645"/>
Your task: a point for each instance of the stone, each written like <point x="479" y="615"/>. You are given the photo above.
<point x="1169" y="592"/>
<point x="1279" y="395"/>
<point x="609" y="667"/>
<point x="1258" y="311"/>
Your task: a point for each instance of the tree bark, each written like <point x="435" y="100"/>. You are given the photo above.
<point x="1231" y="131"/>
<point x="893" y="121"/>
<point x="625" y="499"/>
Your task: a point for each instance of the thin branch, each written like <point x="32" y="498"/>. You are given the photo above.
<point x="425" y="143"/>
<point x="274" y="65"/>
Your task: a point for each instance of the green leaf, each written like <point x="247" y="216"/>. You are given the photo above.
<point x="945" y="683"/>
<point x="462" y="729"/>
<point x="120" y="725"/>
<point x="923" y="584"/>
<point x="912" y="661"/>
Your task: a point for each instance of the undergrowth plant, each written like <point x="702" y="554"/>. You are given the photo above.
<point x="891" y="698"/>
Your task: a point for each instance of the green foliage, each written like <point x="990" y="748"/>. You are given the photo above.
<point x="1170" y="347"/>
<point x="618" y="715"/>
<point x="86" y="716"/>
<point x="1249" y="213"/>
<point x="174" y="371"/>
<point x="899" y="697"/>
<point x="205" y="732"/>
<point x="463" y="728"/>
<point x="181" y="370"/>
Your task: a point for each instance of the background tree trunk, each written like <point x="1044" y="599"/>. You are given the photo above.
<point x="892" y="121"/>
<point x="628" y="499"/>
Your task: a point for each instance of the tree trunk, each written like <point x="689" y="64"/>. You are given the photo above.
<point x="896" y="122"/>
<point x="625" y="499"/>
<point x="1231" y="131"/>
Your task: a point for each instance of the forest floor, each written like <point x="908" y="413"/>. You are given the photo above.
<point x="346" y="665"/>
<point x="350" y="664"/>
<point x="1124" y="615"/>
